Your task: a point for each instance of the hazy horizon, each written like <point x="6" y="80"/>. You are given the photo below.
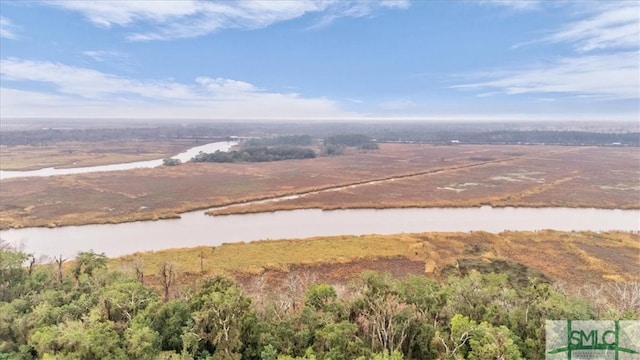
<point x="491" y="60"/>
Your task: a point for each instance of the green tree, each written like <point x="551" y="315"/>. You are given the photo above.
<point x="489" y="342"/>
<point x="141" y="342"/>
<point x="88" y="263"/>
<point x="12" y="273"/>
<point x="382" y="314"/>
<point x="171" y="162"/>
<point x="386" y="355"/>
<point x="426" y="294"/>
<point x="169" y="320"/>
<point x="429" y="300"/>
<point x="219" y="319"/>
<point x="319" y="296"/>
<point x="339" y="341"/>
<point x="123" y="299"/>
<point x="45" y="340"/>
<point x="482" y="296"/>
<point x="81" y="340"/>
<point x="269" y="353"/>
<point x="454" y="343"/>
<point x="103" y="341"/>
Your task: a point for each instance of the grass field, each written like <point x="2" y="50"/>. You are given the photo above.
<point x="561" y="257"/>
<point x="79" y="154"/>
<point x="570" y="177"/>
<point x="398" y="175"/>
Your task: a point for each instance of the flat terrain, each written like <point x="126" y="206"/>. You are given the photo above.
<point x="569" y="258"/>
<point x="81" y="154"/>
<point x="397" y="175"/>
<point x="524" y="177"/>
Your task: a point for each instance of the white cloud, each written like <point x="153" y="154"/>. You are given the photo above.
<point x="7" y="29"/>
<point x="82" y="92"/>
<point x="608" y="26"/>
<point x="115" y="12"/>
<point x="400" y="4"/>
<point x="517" y="5"/>
<point x="86" y="83"/>
<point x="610" y="76"/>
<point x="103" y="55"/>
<point x="605" y="64"/>
<point x="191" y="18"/>
<point x="225" y="86"/>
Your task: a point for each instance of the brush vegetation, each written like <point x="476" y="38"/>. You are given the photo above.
<point x="86" y="311"/>
<point x="563" y="257"/>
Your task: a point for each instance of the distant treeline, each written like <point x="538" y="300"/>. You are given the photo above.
<point x="360" y="141"/>
<point x="435" y="133"/>
<point x="291" y="140"/>
<point x="257" y="154"/>
<point x="513" y="137"/>
<point x="45" y="137"/>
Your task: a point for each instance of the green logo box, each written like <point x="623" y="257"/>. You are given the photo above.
<point x="592" y="339"/>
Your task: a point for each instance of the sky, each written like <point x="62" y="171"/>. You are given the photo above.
<point x="321" y="59"/>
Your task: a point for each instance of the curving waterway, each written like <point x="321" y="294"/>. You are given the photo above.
<point x="196" y="228"/>
<point x="184" y="157"/>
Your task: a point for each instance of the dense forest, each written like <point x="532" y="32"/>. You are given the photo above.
<point x="256" y="154"/>
<point x="271" y="148"/>
<point x="81" y="310"/>
<point x="286" y="147"/>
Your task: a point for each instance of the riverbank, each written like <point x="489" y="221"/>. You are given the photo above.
<point x="396" y="176"/>
<point x="72" y="154"/>
<point x="195" y="229"/>
<point x="561" y="257"/>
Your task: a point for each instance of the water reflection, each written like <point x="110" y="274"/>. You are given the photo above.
<point x="195" y="228"/>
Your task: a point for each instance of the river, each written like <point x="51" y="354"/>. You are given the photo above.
<point x="195" y="228"/>
<point x="185" y="156"/>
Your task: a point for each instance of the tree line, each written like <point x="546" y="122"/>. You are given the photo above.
<point x="285" y="147"/>
<point x="559" y="133"/>
<point x="290" y="140"/>
<point x="45" y="137"/>
<point x="514" y="137"/>
<point x="84" y="311"/>
<point x="360" y="141"/>
<point x="256" y="154"/>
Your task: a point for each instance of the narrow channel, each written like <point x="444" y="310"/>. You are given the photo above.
<point x="195" y="228"/>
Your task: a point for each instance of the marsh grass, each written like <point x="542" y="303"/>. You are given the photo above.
<point x="396" y="176"/>
<point x="257" y="256"/>
<point x="548" y="255"/>
<point x="79" y="154"/>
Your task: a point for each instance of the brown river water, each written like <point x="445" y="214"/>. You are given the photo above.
<point x="196" y="228"/>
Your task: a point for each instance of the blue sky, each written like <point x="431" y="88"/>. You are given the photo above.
<point x="435" y="60"/>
